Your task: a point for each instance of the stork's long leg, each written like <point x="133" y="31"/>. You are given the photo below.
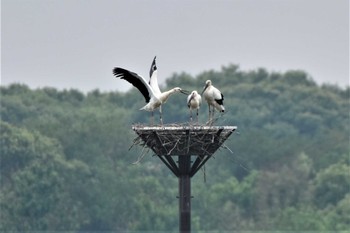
<point x="197" y="116"/>
<point x="191" y="115"/>
<point x="160" y="114"/>
<point x="209" y="112"/>
<point x="152" y="118"/>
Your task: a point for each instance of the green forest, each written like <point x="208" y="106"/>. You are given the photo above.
<point x="66" y="162"/>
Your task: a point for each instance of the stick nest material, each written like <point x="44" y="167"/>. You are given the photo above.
<point x="176" y="139"/>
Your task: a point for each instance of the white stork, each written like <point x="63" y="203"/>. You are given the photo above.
<point x="150" y="90"/>
<point x="194" y="101"/>
<point x="214" y="98"/>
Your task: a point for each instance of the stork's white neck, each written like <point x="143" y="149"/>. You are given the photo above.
<point x="165" y="95"/>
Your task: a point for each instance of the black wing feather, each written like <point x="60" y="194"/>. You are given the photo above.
<point x="220" y="101"/>
<point x="134" y="79"/>
<point x="153" y="68"/>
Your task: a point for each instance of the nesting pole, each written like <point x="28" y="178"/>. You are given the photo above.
<point x="176" y="146"/>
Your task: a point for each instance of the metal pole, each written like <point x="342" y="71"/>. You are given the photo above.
<point x="185" y="193"/>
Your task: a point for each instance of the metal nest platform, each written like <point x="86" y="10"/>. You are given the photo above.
<point x="179" y="140"/>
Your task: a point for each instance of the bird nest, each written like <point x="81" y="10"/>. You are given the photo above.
<point x="171" y="140"/>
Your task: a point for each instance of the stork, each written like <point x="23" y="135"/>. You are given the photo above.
<point x="214" y="98"/>
<point x="194" y="101"/>
<point x="150" y="90"/>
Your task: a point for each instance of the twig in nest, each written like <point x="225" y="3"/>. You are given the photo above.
<point x="173" y="147"/>
<point x="141" y="155"/>
<point x="226" y="147"/>
<point x="137" y="141"/>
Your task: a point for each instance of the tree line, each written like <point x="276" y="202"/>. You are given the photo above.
<point x="66" y="165"/>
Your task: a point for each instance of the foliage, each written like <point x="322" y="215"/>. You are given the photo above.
<point x="65" y="162"/>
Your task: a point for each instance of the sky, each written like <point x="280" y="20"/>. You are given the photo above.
<point x="76" y="43"/>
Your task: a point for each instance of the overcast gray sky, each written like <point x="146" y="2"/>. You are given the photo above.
<point x="76" y="43"/>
